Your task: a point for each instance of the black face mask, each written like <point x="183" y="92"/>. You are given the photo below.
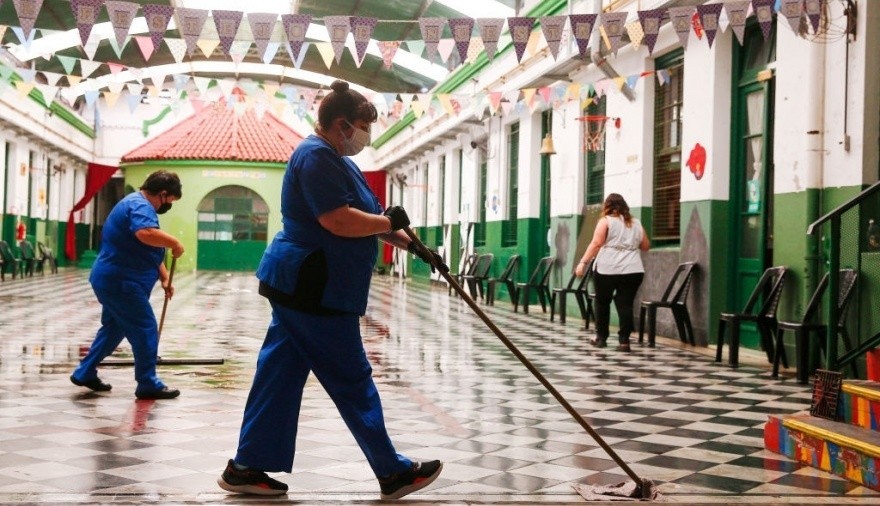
<point x="163" y="207"/>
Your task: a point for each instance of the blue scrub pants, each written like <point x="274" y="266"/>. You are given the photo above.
<point x="126" y="313"/>
<point x="330" y="346"/>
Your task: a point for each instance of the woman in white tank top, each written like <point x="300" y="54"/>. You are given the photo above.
<point x="616" y="245"/>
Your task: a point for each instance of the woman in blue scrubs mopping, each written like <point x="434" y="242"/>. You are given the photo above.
<point x="316" y="275"/>
<point x="127" y="267"/>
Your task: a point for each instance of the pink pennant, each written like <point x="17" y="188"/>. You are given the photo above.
<point x="115" y="68"/>
<point x="145" y="44"/>
<point x="388" y="48"/>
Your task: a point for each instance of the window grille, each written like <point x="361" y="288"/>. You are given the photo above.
<point x="594" y="161"/>
<point x="508" y="226"/>
<point x="668" y="100"/>
<point x="480" y="225"/>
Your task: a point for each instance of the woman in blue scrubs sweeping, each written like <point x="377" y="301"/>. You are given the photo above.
<point x="316" y="275"/>
<point x="127" y="267"/>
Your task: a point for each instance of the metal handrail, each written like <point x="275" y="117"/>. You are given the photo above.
<point x="832" y="309"/>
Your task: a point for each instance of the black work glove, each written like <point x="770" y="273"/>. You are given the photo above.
<point x="428" y="256"/>
<point x="398" y="217"/>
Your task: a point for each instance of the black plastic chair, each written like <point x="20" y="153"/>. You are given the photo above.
<point x="675" y="299"/>
<point x="538" y="281"/>
<point x="574" y="289"/>
<point x="28" y="258"/>
<point x="479" y="275"/>
<point x="48" y="256"/>
<point x="467" y="267"/>
<point x="769" y="288"/>
<point x="508" y="278"/>
<point x="808" y="324"/>
<point x="10" y="262"/>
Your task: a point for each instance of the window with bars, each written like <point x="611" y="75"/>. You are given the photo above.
<point x="508" y="226"/>
<point x="594" y="161"/>
<point x="441" y="186"/>
<point x="480" y="225"/>
<point x="668" y="100"/>
<point x="425" y="196"/>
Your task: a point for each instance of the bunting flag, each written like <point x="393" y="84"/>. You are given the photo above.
<point x="552" y="27"/>
<point x="134" y="88"/>
<point x="325" y="49"/>
<point x="298" y="59"/>
<point x="737" y="12"/>
<point x="25" y="41"/>
<point x="67" y="63"/>
<point x="227" y="23"/>
<point x="444" y="48"/>
<point x="490" y="32"/>
<point x="362" y="29"/>
<point x="338" y="28"/>
<point x="262" y="25"/>
<point x="117" y="48"/>
<point x="612" y="23"/>
<point x="115" y="68"/>
<point x="190" y="23"/>
<point x="388" y="48"/>
<point x="636" y="35"/>
<point x="462" y="28"/>
<point x="239" y="50"/>
<point x="792" y="10"/>
<point x="133" y="101"/>
<point x="295" y="28"/>
<point x="581" y="29"/>
<point x="475" y="49"/>
<point x="207" y="46"/>
<point x="52" y="78"/>
<point x="520" y="30"/>
<point x="681" y="22"/>
<point x="157" y="17"/>
<point x="110" y="98"/>
<point x="27" y="11"/>
<point x="764" y="12"/>
<point x="121" y="15"/>
<point x="145" y="44"/>
<point x="416" y="47"/>
<point x="432" y="29"/>
<point x="86" y="14"/>
<point x="88" y="67"/>
<point x="650" y="20"/>
<point x="270" y="52"/>
<point x="709" y="14"/>
<point x="813" y="9"/>
<point x="177" y="47"/>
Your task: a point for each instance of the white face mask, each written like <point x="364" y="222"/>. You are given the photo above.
<point x="356" y="143"/>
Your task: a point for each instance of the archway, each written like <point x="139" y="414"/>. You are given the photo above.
<point x="232" y="229"/>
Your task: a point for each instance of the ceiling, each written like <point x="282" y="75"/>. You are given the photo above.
<point x="395" y="24"/>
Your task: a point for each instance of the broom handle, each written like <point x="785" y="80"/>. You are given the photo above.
<point x="525" y="361"/>
<point x="165" y="304"/>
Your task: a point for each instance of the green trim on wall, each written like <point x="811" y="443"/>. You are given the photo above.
<point x="147" y="123"/>
<point x="57" y="109"/>
<point x="464" y="73"/>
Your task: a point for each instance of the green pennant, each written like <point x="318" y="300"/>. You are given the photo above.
<point x="67" y="62"/>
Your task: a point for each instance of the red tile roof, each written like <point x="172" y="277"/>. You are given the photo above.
<point x="218" y="133"/>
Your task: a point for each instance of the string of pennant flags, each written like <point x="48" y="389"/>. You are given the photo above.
<point x="705" y="21"/>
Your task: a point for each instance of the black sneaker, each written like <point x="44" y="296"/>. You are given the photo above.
<point x="165" y="393"/>
<point x="249" y="481"/>
<point x="418" y="477"/>
<point x="93" y="384"/>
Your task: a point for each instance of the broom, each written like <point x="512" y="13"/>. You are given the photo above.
<point x="160" y="360"/>
<point x="644" y="488"/>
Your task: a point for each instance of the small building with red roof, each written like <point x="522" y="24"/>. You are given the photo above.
<point x="231" y="164"/>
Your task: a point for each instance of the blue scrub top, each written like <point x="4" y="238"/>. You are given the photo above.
<point x="318" y="180"/>
<point x="122" y="254"/>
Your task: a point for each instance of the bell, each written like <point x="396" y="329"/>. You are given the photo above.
<point x="547" y="145"/>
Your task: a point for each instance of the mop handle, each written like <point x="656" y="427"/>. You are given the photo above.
<point x="165" y="304"/>
<point x="525" y="361"/>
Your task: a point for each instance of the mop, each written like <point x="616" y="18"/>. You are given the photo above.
<point x="167" y="361"/>
<point x="638" y="489"/>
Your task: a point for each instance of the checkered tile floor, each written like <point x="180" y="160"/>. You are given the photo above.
<point x="450" y="388"/>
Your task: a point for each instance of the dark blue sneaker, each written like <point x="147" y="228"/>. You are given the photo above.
<point x="93" y="384"/>
<point x="419" y="476"/>
<point x="249" y="481"/>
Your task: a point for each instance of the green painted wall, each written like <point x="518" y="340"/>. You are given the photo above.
<point x="706" y="240"/>
<point x="201" y="177"/>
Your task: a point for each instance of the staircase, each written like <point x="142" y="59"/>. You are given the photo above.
<point x="848" y="447"/>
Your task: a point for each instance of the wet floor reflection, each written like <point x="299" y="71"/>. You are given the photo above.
<point x="450" y="389"/>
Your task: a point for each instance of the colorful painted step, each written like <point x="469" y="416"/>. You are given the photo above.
<point x="860" y="404"/>
<point x="845" y="450"/>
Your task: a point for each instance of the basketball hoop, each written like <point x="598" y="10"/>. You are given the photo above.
<point x="594" y="131"/>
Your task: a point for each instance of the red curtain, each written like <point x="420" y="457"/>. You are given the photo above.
<point x="376" y="180"/>
<point x="96" y="177"/>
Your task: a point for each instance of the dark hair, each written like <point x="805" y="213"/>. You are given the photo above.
<point x="345" y="102"/>
<point x="163" y="181"/>
<point x="614" y="204"/>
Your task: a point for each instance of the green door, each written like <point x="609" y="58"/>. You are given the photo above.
<point x="751" y="173"/>
<point x="233" y="225"/>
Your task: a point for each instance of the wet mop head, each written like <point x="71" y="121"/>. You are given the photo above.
<point x="626" y="491"/>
